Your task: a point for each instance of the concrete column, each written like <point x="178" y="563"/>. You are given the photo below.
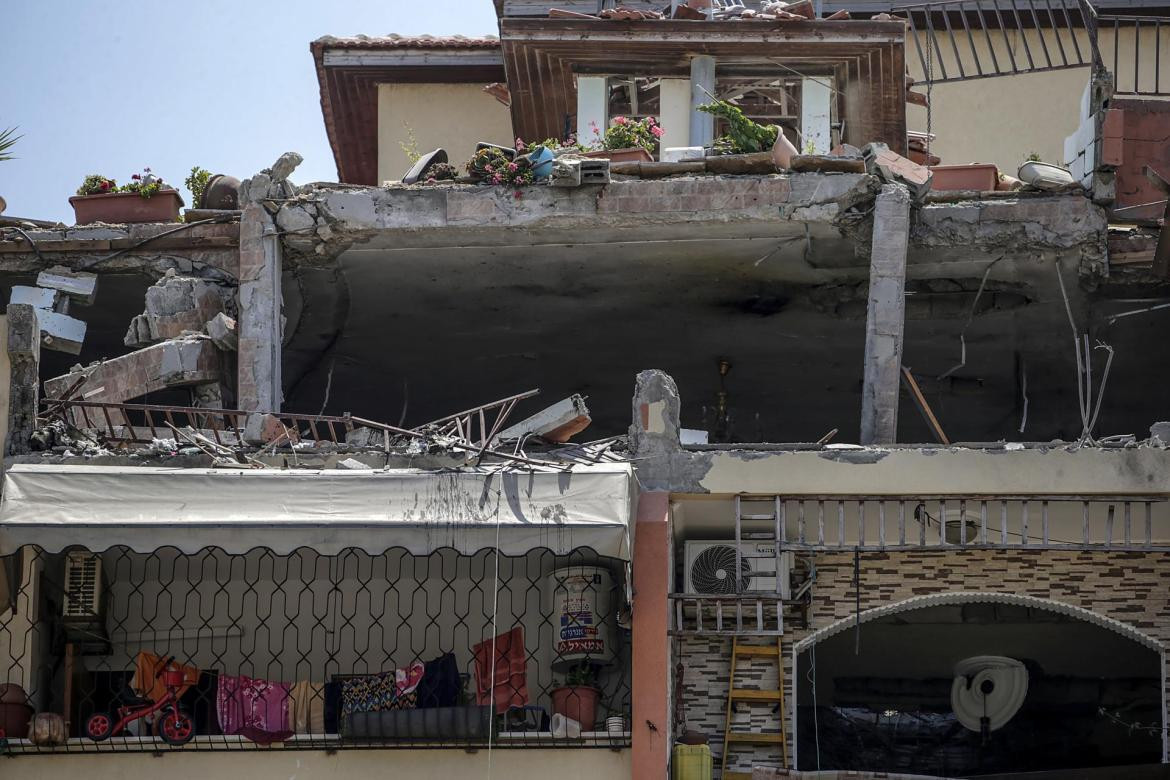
<point x="260" y="325"/>
<point x="592" y="107"/>
<point x="816" y="115"/>
<point x="885" y="320"/>
<point x="702" y="88"/>
<point x="674" y="96"/>
<point x="24" y="377"/>
<point x="651" y="672"/>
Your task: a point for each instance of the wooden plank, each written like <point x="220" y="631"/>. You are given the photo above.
<point x="923" y="406"/>
<point x="756" y="738"/>
<point x="753" y="694"/>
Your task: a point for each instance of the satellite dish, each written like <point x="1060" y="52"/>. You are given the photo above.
<point x="988" y="690"/>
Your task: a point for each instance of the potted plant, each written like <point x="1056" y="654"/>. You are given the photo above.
<point x="627" y="140"/>
<point x="492" y="165"/>
<point x="744" y="136"/>
<point x="577" y="698"/>
<point x="147" y="198"/>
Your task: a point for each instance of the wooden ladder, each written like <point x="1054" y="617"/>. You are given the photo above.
<point x="754" y="696"/>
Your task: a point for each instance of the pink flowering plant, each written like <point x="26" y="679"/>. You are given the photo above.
<point x="492" y="166"/>
<point x="626" y="133"/>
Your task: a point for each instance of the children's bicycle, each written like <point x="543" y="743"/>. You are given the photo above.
<point x="175" y="727"/>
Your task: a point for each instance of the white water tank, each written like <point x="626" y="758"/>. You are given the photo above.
<point x="583" y="610"/>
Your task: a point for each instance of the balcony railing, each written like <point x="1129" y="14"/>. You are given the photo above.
<point x="1098" y="522"/>
<point x="227" y="651"/>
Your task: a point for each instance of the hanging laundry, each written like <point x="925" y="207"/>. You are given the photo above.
<point x="394" y="690"/>
<point x="307" y="708"/>
<point x="255" y="709"/>
<point x="504" y="678"/>
<point x="147" y="679"/>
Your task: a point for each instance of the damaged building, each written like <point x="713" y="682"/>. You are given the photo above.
<point x="749" y="464"/>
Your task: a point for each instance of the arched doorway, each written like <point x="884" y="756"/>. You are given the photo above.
<point x="881" y="697"/>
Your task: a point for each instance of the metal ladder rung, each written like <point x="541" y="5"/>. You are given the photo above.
<point x="757" y="517"/>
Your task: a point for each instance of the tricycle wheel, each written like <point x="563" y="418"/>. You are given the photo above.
<point x="176" y="728"/>
<point x="99" y="726"/>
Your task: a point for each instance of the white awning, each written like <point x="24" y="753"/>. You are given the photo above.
<point x="146" y="508"/>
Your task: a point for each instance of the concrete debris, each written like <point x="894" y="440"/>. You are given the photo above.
<point x="271" y="184"/>
<point x="1160" y="434"/>
<point x="893" y="168"/>
<point x="79" y="286"/>
<point x="353" y="464"/>
<point x="576" y="171"/>
<point x="558" y="423"/>
<point x="365" y="438"/>
<point x="61" y="332"/>
<point x="222" y="330"/>
<point x="177" y="304"/>
<point x="264" y="429"/>
<point x="37" y="297"/>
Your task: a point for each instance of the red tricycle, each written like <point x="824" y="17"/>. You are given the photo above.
<point x="175" y="726"/>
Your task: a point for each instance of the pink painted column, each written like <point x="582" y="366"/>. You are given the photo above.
<point x="651" y="651"/>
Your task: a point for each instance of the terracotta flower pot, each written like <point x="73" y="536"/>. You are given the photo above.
<point x="125" y="207"/>
<point x="977" y="176"/>
<point x="578" y="703"/>
<point x="633" y="154"/>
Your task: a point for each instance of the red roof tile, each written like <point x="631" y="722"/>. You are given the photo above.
<point x="396" y="41"/>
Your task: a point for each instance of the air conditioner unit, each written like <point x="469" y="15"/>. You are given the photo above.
<point x="83" y="589"/>
<point x="710" y="568"/>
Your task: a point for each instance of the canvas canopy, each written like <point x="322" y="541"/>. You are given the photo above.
<point x="147" y="508"/>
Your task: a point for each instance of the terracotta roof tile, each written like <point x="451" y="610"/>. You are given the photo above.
<point x="396" y="41"/>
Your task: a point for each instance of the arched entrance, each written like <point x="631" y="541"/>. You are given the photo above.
<point x="883" y="696"/>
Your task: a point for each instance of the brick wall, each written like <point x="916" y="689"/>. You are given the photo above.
<point x="1132" y="588"/>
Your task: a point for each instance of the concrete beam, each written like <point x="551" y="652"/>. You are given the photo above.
<point x="702" y="88"/>
<point x="650" y="671"/>
<point x="260" y="324"/>
<point x="885" y="321"/>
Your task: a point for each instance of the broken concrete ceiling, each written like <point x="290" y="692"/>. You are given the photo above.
<point x="422" y="300"/>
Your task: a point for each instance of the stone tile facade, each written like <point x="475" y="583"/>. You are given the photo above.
<point x="1132" y="588"/>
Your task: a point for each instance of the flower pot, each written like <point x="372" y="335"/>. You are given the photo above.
<point x="633" y="154"/>
<point x="15" y="713"/>
<point x="125" y="207"/>
<point x="578" y="703"/>
<point x="978" y="177"/>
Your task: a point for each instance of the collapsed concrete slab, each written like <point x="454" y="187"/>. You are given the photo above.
<point x="183" y="362"/>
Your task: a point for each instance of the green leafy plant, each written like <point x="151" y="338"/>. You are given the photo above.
<point x="552" y="144"/>
<point x="626" y="133"/>
<point x="145" y="184"/>
<point x="96" y="184"/>
<point x="583" y="675"/>
<point x="1033" y="157"/>
<point x="8" y="139"/>
<point x="196" y="183"/>
<point x="409" y="147"/>
<point x="743" y="136"/>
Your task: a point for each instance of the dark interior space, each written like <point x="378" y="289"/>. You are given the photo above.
<point x="414" y="335"/>
<point x="1093" y="696"/>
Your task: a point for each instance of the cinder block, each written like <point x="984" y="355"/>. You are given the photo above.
<point x="37" y="297"/>
<point x="78" y="285"/>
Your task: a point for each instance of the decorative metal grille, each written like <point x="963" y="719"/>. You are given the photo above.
<point x="314" y="651"/>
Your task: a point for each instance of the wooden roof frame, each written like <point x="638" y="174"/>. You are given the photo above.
<point x="542" y="56"/>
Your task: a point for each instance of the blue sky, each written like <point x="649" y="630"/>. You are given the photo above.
<point x="113" y="87"/>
